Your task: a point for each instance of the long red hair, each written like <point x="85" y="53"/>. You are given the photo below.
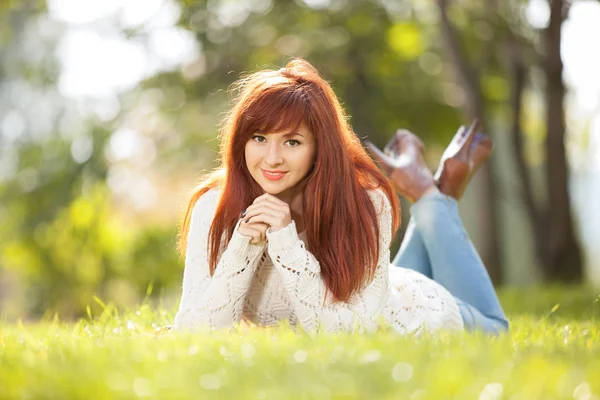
<point x="339" y="216"/>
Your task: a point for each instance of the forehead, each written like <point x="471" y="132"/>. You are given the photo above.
<point x="301" y="130"/>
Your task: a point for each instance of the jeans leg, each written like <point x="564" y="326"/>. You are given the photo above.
<point x="474" y="320"/>
<point x="413" y="253"/>
<point x="455" y="263"/>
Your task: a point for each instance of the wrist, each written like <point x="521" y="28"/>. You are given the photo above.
<point x="287" y="236"/>
<point x="280" y="226"/>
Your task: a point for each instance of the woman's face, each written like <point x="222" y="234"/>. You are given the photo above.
<point x="278" y="161"/>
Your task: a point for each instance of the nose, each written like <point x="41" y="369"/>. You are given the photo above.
<point x="273" y="156"/>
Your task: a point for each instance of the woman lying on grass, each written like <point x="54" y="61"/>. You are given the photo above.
<point x="297" y="222"/>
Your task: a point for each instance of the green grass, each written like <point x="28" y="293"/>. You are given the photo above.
<point x="547" y="355"/>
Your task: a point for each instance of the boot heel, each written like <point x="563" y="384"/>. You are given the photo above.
<point x="451" y="179"/>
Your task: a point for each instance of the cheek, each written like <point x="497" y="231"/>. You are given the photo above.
<point x="248" y="154"/>
<point x="307" y="160"/>
<point x="311" y="156"/>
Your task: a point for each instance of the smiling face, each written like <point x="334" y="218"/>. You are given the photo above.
<point x="278" y="161"/>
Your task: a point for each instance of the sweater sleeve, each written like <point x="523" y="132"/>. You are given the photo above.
<point x="301" y="274"/>
<point x="215" y="301"/>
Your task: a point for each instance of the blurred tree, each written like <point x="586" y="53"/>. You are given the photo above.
<point x="521" y="52"/>
<point x="61" y="241"/>
<point x="556" y="244"/>
<point x="475" y="107"/>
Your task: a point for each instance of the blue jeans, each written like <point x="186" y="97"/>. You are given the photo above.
<point x="437" y="245"/>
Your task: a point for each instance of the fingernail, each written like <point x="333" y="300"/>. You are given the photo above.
<point x="247" y="220"/>
<point x="243" y="213"/>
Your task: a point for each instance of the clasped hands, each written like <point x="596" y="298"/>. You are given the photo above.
<point x="267" y="211"/>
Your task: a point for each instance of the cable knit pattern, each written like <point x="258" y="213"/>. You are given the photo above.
<point x="282" y="280"/>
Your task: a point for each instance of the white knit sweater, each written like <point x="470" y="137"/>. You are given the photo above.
<point x="281" y="280"/>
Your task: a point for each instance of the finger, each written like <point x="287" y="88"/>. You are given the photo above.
<point x="249" y="232"/>
<point x="257" y="232"/>
<point x="255" y="225"/>
<point x="268" y="219"/>
<point x="267" y="197"/>
<point x="273" y="208"/>
<point x="269" y="204"/>
<point x="259" y="226"/>
<point x="258" y="239"/>
<point x="262" y="210"/>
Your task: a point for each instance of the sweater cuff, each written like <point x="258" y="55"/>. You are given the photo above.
<point x="242" y="247"/>
<point x="282" y="239"/>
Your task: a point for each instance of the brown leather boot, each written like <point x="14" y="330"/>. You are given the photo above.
<point x="403" y="163"/>
<point x="462" y="158"/>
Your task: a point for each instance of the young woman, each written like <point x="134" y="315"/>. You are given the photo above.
<point x="296" y="223"/>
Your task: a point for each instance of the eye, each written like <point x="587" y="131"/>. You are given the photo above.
<point x="293" y="142"/>
<point x="259" y="138"/>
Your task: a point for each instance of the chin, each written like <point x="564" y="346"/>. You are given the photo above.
<point x="273" y="188"/>
<point x="272" y="191"/>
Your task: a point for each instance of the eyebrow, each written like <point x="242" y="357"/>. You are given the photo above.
<point x="293" y="134"/>
<point x="289" y="134"/>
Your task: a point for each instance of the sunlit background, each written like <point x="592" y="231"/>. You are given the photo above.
<point x="109" y="112"/>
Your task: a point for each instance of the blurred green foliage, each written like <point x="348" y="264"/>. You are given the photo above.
<point x="85" y="250"/>
<point x="552" y="301"/>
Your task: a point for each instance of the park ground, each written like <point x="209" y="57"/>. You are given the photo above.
<point x="551" y="352"/>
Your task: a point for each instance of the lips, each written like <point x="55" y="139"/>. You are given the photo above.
<point x="273" y="175"/>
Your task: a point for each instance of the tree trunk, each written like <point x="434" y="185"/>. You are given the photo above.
<point x="517" y="71"/>
<point x="562" y="258"/>
<point x="467" y="77"/>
